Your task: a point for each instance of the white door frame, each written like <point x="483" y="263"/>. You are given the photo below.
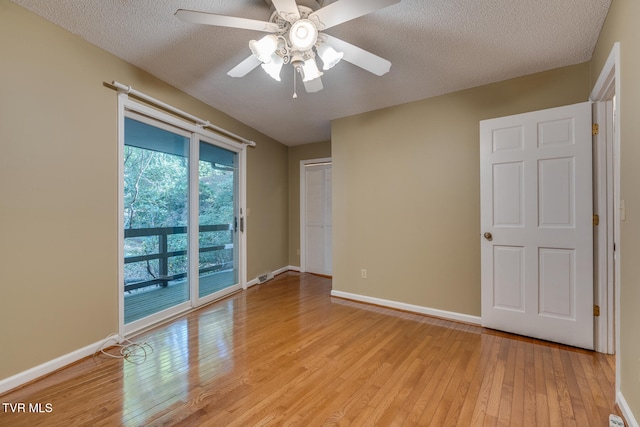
<point x="303" y="199"/>
<point x="605" y="94"/>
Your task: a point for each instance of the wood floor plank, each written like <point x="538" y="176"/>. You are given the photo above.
<point x="573" y="388"/>
<point x="482" y="402"/>
<point x="286" y="353"/>
<point x="472" y="357"/>
<point x="591" y="368"/>
<point x="564" y="397"/>
<point x="542" y="403"/>
<point x="553" y="400"/>
<point x="471" y="399"/>
<point x="519" y="390"/>
<point x="451" y="361"/>
<point x="458" y="384"/>
<point x="507" y="407"/>
<point x="530" y="396"/>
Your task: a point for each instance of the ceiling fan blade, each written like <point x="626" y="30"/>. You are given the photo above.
<point x="346" y="10"/>
<point x="243" y="68"/>
<point x="225" y="21"/>
<point x="288" y="9"/>
<point x="314" y="85"/>
<point x="358" y="56"/>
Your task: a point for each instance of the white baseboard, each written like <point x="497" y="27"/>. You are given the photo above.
<point x="48" y="367"/>
<point x="450" y="315"/>
<point x="626" y="411"/>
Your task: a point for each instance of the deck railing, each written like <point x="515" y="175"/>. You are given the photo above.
<point x="164" y="254"/>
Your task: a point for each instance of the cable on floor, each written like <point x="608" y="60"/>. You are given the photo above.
<point x="126" y="349"/>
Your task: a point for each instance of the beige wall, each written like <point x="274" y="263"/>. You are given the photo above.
<point x="297" y="153"/>
<point x="406" y="194"/>
<point x="622" y="25"/>
<point x="267" y="203"/>
<point x="59" y="189"/>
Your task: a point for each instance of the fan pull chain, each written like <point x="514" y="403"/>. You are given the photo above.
<point x="295" y="95"/>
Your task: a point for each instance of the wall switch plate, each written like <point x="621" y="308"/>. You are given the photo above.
<point x="363" y="273"/>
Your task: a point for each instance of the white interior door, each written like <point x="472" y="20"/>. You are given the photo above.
<point x="317" y="219"/>
<point x="536" y="219"/>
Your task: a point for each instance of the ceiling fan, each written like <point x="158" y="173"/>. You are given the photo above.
<point x="296" y="36"/>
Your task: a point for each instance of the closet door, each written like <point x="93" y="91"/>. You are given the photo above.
<point x="317" y="219"/>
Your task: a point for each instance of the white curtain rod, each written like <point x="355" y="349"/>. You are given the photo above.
<point x="198" y="121"/>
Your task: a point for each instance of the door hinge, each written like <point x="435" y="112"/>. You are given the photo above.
<point x="596" y="310"/>
<point x="594" y="129"/>
<point x="596" y="220"/>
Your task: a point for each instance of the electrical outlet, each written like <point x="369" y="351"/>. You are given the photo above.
<point x="363" y="273"/>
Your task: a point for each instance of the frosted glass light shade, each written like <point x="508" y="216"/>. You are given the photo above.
<point x="273" y="67"/>
<point x="329" y="56"/>
<point x="310" y="70"/>
<point x="264" y="48"/>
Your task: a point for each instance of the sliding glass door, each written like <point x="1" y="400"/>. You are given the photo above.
<point x="180" y="207"/>
<point x="156" y="216"/>
<point x="218" y="220"/>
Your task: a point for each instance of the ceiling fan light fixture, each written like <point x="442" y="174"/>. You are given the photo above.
<point x="273" y="67"/>
<point x="310" y="70"/>
<point x="264" y="48"/>
<point x="303" y="35"/>
<point x="329" y="56"/>
<point x="296" y="37"/>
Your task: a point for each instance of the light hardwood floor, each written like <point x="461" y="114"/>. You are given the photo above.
<point x="286" y="353"/>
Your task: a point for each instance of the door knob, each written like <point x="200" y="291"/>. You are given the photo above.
<point x="488" y="236"/>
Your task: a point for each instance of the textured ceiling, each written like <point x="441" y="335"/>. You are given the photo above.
<point x="435" y="46"/>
